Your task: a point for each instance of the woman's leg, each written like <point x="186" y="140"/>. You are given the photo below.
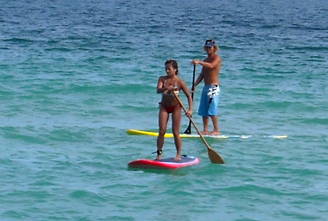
<point x="176" y="121"/>
<point x="163" y="117"/>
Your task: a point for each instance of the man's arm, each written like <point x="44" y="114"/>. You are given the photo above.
<point x="209" y="65"/>
<point x="198" y="80"/>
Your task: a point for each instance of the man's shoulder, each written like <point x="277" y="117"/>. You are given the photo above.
<point x="212" y="58"/>
<point x="217" y="56"/>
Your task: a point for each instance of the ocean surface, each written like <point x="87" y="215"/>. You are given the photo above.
<point x="76" y="75"/>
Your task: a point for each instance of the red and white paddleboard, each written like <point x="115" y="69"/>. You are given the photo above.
<point x="166" y="163"/>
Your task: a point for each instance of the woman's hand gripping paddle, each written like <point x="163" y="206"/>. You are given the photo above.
<point x="188" y="130"/>
<point x="214" y="156"/>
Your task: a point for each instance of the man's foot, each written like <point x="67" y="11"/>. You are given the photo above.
<point x="214" y="133"/>
<point x="158" y="157"/>
<point x="204" y="132"/>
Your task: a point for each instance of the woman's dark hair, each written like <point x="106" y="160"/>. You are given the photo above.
<point x="174" y="64"/>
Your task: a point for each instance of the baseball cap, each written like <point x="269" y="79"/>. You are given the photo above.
<point x="209" y="43"/>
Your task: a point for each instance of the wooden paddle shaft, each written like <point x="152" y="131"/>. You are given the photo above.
<point x="214" y="156"/>
<point x="193" y="123"/>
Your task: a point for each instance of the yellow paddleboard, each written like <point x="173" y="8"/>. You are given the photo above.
<point x="155" y="134"/>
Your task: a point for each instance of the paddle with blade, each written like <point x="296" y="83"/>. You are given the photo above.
<point x="214" y="156"/>
<point x="188" y="130"/>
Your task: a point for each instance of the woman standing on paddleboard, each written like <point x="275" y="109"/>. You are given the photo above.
<point x="167" y="85"/>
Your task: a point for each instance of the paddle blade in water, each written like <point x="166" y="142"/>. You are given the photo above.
<point x="214" y="156"/>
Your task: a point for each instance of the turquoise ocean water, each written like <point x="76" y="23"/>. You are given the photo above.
<point x="75" y="75"/>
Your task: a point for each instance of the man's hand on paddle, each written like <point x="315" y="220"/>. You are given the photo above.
<point x="194" y="62"/>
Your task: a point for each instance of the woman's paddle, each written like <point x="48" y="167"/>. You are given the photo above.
<point x="214" y="156"/>
<point x="188" y="130"/>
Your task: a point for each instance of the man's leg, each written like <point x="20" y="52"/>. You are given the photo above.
<point x="205" y="125"/>
<point x="215" y="121"/>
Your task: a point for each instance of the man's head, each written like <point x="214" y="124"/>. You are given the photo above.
<point x="211" y="44"/>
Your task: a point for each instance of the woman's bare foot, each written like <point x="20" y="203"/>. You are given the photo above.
<point x="177" y="158"/>
<point x="159" y="154"/>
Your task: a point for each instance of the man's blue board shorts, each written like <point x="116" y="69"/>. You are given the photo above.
<point x="209" y="101"/>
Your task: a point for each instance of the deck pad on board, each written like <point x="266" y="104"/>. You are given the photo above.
<point x="165" y="163"/>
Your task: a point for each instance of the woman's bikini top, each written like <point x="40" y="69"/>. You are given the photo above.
<point x="171" y="94"/>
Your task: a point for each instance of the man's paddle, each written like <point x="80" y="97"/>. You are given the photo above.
<point x="188" y="130"/>
<point x="214" y="156"/>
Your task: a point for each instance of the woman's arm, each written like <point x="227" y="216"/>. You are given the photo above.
<point x="160" y="86"/>
<point x="185" y="90"/>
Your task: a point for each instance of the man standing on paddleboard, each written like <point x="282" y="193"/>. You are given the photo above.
<point x="210" y="95"/>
